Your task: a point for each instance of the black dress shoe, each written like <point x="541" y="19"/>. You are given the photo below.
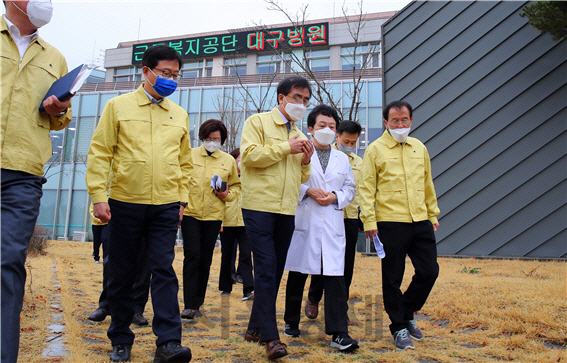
<point x="172" y="352"/>
<point x="139" y="319"/>
<point x="99" y="314"/>
<point x="121" y="353"/>
<point x="188" y="313"/>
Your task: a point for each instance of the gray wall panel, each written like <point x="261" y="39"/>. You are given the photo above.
<point x="490" y="102"/>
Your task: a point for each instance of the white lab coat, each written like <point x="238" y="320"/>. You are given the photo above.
<point x="320" y="231"/>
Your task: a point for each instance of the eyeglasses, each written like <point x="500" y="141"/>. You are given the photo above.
<point x="168" y="74"/>
<point x="209" y="139"/>
<point x="398" y="123"/>
<point x="299" y="100"/>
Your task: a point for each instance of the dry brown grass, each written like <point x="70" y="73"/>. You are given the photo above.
<point x="511" y="311"/>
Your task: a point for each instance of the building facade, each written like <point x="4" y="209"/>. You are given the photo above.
<point x="490" y="102"/>
<point x="227" y="75"/>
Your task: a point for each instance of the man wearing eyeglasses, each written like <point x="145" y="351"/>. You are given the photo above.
<point x="275" y="160"/>
<point x="142" y="141"/>
<point x="398" y="203"/>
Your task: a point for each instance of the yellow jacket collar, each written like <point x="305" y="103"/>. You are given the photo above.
<point x="144" y="100"/>
<point x="390" y="142"/>
<point x="204" y="152"/>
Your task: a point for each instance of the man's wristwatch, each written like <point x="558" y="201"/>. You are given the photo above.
<point x="61" y="113"/>
<point x="184" y="204"/>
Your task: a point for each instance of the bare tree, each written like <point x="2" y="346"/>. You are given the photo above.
<point x="323" y="92"/>
<point x="227" y="109"/>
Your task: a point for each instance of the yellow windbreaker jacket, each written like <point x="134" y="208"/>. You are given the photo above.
<point x="270" y="174"/>
<point x="147" y="147"/>
<point x="204" y="205"/>
<point x="25" y="141"/>
<point x="233" y="213"/>
<point x="351" y="211"/>
<point x="396" y="183"/>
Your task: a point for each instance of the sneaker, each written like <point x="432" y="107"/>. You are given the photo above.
<point x="248" y="296"/>
<point x="292" y="331"/>
<point x="344" y="342"/>
<point x="414" y="331"/>
<point x="402" y="340"/>
<point x="96" y="261"/>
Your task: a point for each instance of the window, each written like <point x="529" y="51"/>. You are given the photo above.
<point x="123" y="74"/>
<point x="367" y="56"/>
<point x="273" y="63"/>
<point x="196" y="69"/>
<point x="235" y="66"/>
<point x="318" y="60"/>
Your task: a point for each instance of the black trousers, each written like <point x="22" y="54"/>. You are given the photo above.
<point x="335" y="300"/>
<point x="141" y="288"/>
<point x="269" y="235"/>
<point x="351" y="235"/>
<point x="416" y="240"/>
<point x="157" y="226"/>
<point x="199" y="238"/>
<point x="229" y="236"/>
<point x="100" y="238"/>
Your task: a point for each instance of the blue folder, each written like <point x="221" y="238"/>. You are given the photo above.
<point x="62" y="87"/>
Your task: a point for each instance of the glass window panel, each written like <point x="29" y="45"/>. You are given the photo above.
<point x="209" y="72"/>
<point x="210" y="99"/>
<point x="320" y="64"/>
<point x="174" y="97"/>
<point x="77" y="215"/>
<point x="194" y="100"/>
<point x="123" y="71"/>
<point x="88" y="105"/>
<point x="79" y="181"/>
<point x="65" y="175"/>
<point x="122" y="79"/>
<point x="195" y="73"/>
<point x="46" y="209"/>
<point x="103" y="99"/>
<point x="320" y="53"/>
<point x="374" y="123"/>
<point x="56" y="145"/>
<point x="348" y="50"/>
<point x="363" y="89"/>
<point x="51" y="173"/>
<point x="62" y="213"/>
<point x="85" y="134"/>
<point x="266" y="68"/>
<point x="254" y="94"/>
<point x="183" y="99"/>
<point x="209" y="63"/>
<point x="375" y="93"/>
<point x="69" y="140"/>
<point x="347" y="62"/>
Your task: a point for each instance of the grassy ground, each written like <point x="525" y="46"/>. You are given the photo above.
<point x="479" y="311"/>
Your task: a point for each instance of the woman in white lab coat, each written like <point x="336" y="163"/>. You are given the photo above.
<point x="318" y="243"/>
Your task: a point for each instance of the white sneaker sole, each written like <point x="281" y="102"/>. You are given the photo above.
<point x="342" y="347"/>
<point x="406" y="348"/>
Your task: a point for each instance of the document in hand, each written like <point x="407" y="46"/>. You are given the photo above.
<point x="66" y="86"/>
<point x="217" y="183"/>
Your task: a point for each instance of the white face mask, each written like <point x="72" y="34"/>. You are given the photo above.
<point x="400" y="135"/>
<point x="295" y="111"/>
<point x="324" y="136"/>
<point x="238" y="165"/>
<point x="39" y="12"/>
<point x="211" y="146"/>
<point x="345" y="149"/>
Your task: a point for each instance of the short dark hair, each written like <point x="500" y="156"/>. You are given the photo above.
<point x="322" y="110"/>
<point x="234" y="153"/>
<point x="212" y="125"/>
<point x="153" y="55"/>
<point x="350" y="127"/>
<point x="285" y="85"/>
<point x="396" y="105"/>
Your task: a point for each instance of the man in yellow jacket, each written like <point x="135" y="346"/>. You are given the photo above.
<point x="143" y="140"/>
<point x="398" y="202"/>
<point x="29" y="66"/>
<point x="275" y="161"/>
